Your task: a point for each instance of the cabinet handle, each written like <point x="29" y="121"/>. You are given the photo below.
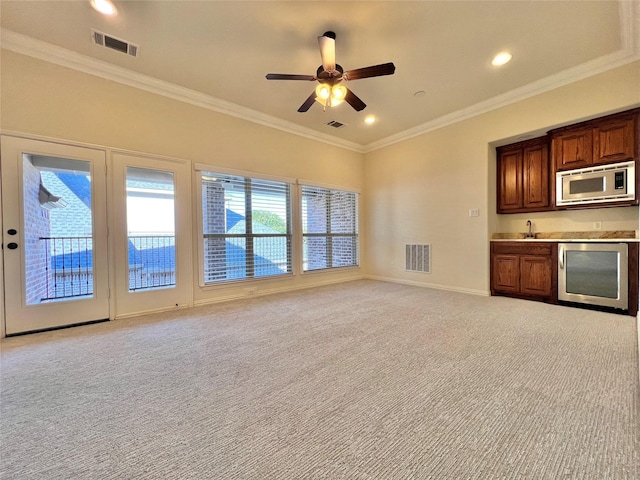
<point x="561" y="258"/>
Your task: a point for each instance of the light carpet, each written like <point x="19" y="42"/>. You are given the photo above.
<point x="362" y="380"/>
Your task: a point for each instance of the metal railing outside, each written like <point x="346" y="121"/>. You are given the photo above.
<point x="69" y="265"/>
<point x="152" y="262"/>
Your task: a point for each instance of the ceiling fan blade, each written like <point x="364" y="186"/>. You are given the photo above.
<point x="287" y="76"/>
<point x="353" y="100"/>
<point x="328" y="51"/>
<point x="308" y="102"/>
<point x="373" y="71"/>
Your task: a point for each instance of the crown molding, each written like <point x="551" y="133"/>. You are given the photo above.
<point x="566" y="77"/>
<point x="630" y="52"/>
<point x="32" y="47"/>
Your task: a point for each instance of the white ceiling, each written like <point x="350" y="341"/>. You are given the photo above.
<point x="216" y="53"/>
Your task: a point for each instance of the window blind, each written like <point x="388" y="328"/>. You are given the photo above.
<point x="329" y="228"/>
<point x="246" y="225"/>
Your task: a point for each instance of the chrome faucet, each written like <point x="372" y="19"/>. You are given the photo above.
<point x="529" y="234"/>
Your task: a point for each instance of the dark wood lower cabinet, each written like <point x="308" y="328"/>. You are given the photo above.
<point x="535" y="275"/>
<point x="525" y="270"/>
<point x="529" y="270"/>
<point x="505" y="273"/>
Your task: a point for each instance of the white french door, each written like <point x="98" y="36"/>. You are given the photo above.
<point x="54" y="234"/>
<point x="152" y="232"/>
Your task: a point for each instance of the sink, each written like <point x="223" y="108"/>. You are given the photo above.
<point x="518" y="237"/>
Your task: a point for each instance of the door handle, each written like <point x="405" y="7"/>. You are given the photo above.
<point x="12" y="245"/>
<point x="561" y="258"/>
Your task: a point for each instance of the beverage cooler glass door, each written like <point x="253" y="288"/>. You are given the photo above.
<point x="593" y="273"/>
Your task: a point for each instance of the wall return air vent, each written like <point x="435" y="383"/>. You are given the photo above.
<point x="105" y="40"/>
<point x="418" y="258"/>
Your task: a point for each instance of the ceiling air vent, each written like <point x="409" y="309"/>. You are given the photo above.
<point x="335" y="124"/>
<point x="104" y="40"/>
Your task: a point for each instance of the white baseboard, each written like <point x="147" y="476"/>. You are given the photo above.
<point x="149" y="311"/>
<point x="317" y="283"/>
<point x="435" y="286"/>
<point x="271" y="291"/>
<point x="243" y="296"/>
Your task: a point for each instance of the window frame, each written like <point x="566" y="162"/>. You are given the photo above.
<point x="303" y="235"/>
<point x="201" y="169"/>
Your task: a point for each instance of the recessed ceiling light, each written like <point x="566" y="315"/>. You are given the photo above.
<point x="501" y="59"/>
<point x="106" y="7"/>
<point x="369" y="119"/>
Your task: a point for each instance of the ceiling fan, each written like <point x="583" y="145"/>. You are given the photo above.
<point x="330" y="92"/>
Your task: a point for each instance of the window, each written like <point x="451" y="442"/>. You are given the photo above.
<point x="246" y="227"/>
<point x="329" y="228"/>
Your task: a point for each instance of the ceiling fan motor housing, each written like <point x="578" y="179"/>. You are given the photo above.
<point x="329" y="77"/>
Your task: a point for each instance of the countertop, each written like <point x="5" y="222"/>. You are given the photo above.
<point x="626" y="236"/>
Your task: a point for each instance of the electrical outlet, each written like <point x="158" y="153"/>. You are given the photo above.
<point x="597" y="225"/>
<point x="474" y="212"/>
<point x="251" y="291"/>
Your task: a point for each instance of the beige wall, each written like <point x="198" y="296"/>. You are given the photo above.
<point x="416" y="191"/>
<point x="420" y="190"/>
<point x="40" y="98"/>
<point x="45" y="99"/>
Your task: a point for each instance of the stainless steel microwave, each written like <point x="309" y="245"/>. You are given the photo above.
<point x="605" y="183"/>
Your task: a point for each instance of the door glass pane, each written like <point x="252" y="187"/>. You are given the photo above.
<point x="593" y="273"/>
<point x="58" y="229"/>
<point x="151" y="229"/>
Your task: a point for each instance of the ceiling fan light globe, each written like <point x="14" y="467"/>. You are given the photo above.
<point x="339" y="92"/>
<point x="323" y="92"/>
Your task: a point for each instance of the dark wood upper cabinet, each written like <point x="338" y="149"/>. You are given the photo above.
<point x="613" y="141"/>
<point x="510" y="180"/>
<point x="523" y="177"/>
<point x="573" y="149"/>
<point x="526" y="171"/>
<point x="609" y="139"/>
<point x="535" y="176"/>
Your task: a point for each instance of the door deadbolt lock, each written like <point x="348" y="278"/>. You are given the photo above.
<point x="12" y="231"/>
<point x="12" y="246"/>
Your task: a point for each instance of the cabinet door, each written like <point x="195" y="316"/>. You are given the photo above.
<point x="509" y="180"/>
<point x="613" y="141"/>
<point x="535" y="172"/>
<point x="535" y="275"/>
<point x="573" y="149"/>
<point x="505" y="273"/>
